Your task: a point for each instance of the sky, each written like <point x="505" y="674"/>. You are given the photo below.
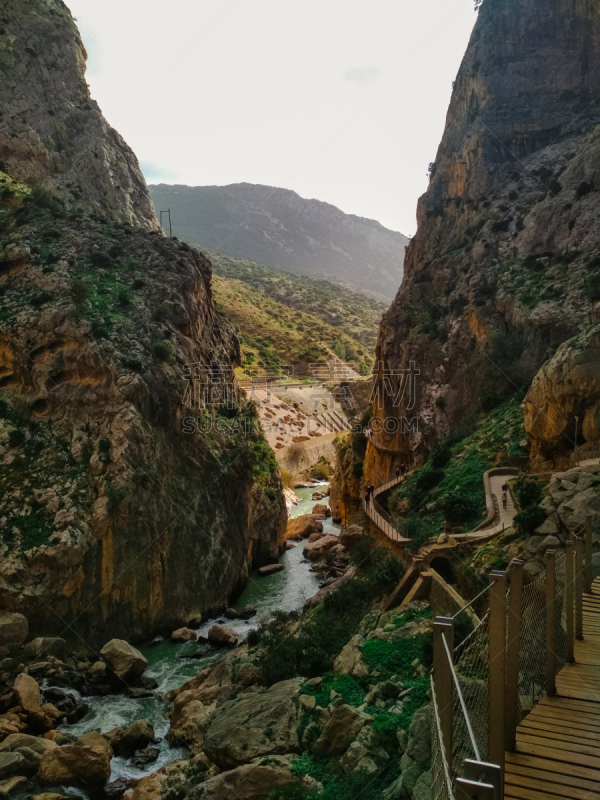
<point x="340" y="100"/>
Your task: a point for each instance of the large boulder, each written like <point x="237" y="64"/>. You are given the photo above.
<point x="320" y="547"/>
<point x="189" y="721"/>
<point x="301" y="527"/>
<point x="27" y="693"/>
<point x="11" y="764"/>
<point x="344" y="722"/>
<point x="45" y="646"/>
<point x="321" y="510"/>
<point x="136" y="737"/>
<point x="85" y="763"/>
<point x="254" y="724"/>
<point x="30" y="748"/>
<point x="13" y="629"/>
<point x="127" y="663"/>
<point x="351" y="661"/>
<point x="351" y="536"/>
<point x="222" y="636"/>
<point x="270" y="569"/>
<point x="253" y="781"/>
<point x="416" y="760"/>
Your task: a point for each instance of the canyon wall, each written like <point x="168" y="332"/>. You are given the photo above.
<point x="127" y="504"/>
<point x="505" y="265"/>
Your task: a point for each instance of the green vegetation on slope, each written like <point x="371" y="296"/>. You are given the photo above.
<point x="452" y="479"/>
<point x="358" y="314"/>
<point x="269" y="331"/>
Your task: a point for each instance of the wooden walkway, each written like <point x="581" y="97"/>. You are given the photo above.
<point x="558" y="743"/>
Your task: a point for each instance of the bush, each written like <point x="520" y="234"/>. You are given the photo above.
<point x="101" y="260"/>
<point x="418" y="531"/>
<point x="161" y="350"/>
<point x="442" y="453"/>
<point x="460" y="508"/>
<point x="528" y="492"/>
<point x="80" y="291"/>
<point x="528" y="520"/>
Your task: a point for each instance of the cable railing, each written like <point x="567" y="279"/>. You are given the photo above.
<point x="491" y="681"/>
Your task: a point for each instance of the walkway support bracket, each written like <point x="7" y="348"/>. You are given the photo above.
<point x="497" y="668"/>
<point x="442" y="678"/>
<point x="513" y="645"/>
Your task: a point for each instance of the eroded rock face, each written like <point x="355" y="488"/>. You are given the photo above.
<point x="253" y="781"/>
<point x="13" y="629"/>
<point x="254" y="724"/>
<point x="73" y="151"/>
<point x="508" y="234"/>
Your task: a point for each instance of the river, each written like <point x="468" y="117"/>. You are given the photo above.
<point x="167" y="663"/>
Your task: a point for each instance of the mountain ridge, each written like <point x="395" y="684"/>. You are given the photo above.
<point x="277" y="227"/>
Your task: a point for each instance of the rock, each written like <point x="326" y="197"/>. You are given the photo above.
<point x="321" y="510"/>
<point x="10" y="764"/>
<point x="344" y="721"/>
<point x="254" y="724"/>
<point x="269" y="569"/>
<point x="11" y="786"/>
<point x="221" y="636"/>
<point x="127" y="663"/>
<point x="574" y="511"/>
<point x="183" y="635"/>
<point x="231" y="613"/>
<point x="136" y="737"/>
<point x="189" y="721"/>
<point x="308" y="702"/>
<point x="549" y="542"/>
<point x="145" y="756"/>
<point x="27" y="693"/>
<point x="85" y="763"/>
<point x="351" y="536"/>
<point x="289" y="546"/>
<point x="314" y="537"/>
<point x="116" y="789"/>
<point x="31" y="748"/>
<point x="13" y="629"/>
<point x="320" y="547"/>
<point x="301" y="527"/>
<point x="255" y="781"/>
<point x="351" y="661"/>
<point x="46" y="646"/>
<point x="98" y="670"/>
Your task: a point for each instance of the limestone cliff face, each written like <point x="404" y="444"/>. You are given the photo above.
<point x="50" y="128"/>
<point x="123" y="508"/>
<point x="128" y="503"/>
<point x="504" y="266"/>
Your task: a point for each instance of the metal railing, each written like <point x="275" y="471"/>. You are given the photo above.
<point x="487" y="685"/>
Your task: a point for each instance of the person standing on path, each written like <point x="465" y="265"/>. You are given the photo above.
<point x="504" y="498"/>
<point x="367" y="497"/>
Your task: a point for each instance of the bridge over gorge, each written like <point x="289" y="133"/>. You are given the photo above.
<point x="516" y="705"/>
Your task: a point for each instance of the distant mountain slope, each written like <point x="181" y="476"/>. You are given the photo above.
<point x="277" y="227"/>
<point x="355" y="314"/>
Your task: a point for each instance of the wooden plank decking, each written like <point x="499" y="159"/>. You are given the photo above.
<point x="558" y="743"/>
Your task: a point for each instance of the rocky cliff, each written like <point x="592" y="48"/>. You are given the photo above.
<point x="127" y="503"/>
<point x="50" y="128"/>
<point x="279" y="228"/>
<point x="505" y="265"/>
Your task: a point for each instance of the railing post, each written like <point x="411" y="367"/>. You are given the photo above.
<point x="578" y="547"/>
<point x="442" y="677"/>
<point x="513" y="647"/>
<point x="589" y="528"/>
<point x="497" y="668"/>
<point x="550" y="623"/>
<point x="570" y="605"/>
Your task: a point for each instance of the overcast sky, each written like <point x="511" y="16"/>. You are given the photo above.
<point x="341" y="100"/>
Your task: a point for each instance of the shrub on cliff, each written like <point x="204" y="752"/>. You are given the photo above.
<point x="529" y="519"/>
<point x="528" y="492"/>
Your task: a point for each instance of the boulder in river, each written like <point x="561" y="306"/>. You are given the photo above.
<point x="85" y="763"/>
<point x="183" y="635"/>
<point x="321" y="510"/>
<point x="314" y="537"/>
<point x="27" y="693"/>
<point x="13" y="629"/>
<point x="222" y="636"/>
<point x="127" y="663"/>
<point x="254" y="724"/>
<point x="231" y="613"/>
<point x="145" y="756"/>
<point x="46" y="646"/>
<point x="270" y="569"/>
<point x="137" y="736"/>
<point x="31" y="748"/>
<point x="249" y="611"/>
<point x="320" y="547"/>
<point x="301" y="527"/>
<point x="189" y="722"/>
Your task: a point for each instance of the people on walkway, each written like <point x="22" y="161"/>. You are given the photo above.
<point x="372" y="489"/>
<point x="367" y="497"/>
<point x="504" y="498"/>
<point x="397" y="472"/>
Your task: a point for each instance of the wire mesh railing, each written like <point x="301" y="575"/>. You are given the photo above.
<point x="491" y="681"/>
<point x="441" y="783"/>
